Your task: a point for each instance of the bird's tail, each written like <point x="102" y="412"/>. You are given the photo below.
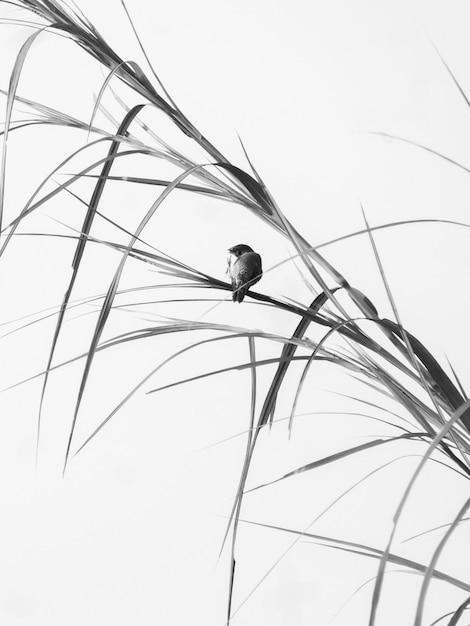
<point x="240" y="293"/>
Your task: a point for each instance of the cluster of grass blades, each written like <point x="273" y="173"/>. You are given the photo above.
<point x="389" y="360"/>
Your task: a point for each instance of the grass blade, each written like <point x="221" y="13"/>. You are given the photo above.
<point x="14" y="80"/>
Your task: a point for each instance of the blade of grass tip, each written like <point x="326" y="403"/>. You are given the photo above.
<point x="457" y="379"/>
<point x="432" y="564"/>
<point x="456" y="82"/>
<point x="258" y="177"/>
<point x="101" y="93"/>
<point x="97" y="193"/>
<point x="239" y="496"/>
<point x="170" y="99"/>
<point x="14" y="80"/>
<point x="433" y="530"/>
<point x="416" y="144"/>
<point x="107" y="304"/>
<point x="464" y="409"/>
<point x="384" y="279"/>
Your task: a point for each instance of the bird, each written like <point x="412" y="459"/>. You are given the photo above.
<point x="244" y="269"/>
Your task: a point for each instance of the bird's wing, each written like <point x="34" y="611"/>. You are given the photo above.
<point x="249" y="268"/>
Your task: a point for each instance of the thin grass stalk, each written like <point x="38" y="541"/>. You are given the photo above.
<point x="239" y="497"/>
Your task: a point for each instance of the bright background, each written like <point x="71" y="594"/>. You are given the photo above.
<point x="133" y="532"/>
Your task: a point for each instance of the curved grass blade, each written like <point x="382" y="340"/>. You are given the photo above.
<point x="107" y="304"/>
<point x="288" y="351"/>
<point x="309" y="414"/>
<point x="102" y="90"/>
<point x="224" y="370"/>
<point x="443" y="382"/>
<point x="462" y="411"/>
<point x="302" y="533"/>
<point x="14" y="79"/>
<point x="237" y="333"/>
<point x="367" y="551"/>
<point x="432" y="564"/>
<point x="256" y="190"/>
<point x="29" y="208"/>
<point x="432" y="530"/>
<point x="97" y="193"/>
<point x="459" y="612"/>
<point x="332" y="458"/>
<point x="456" y="82"/>
<point x="416" y="144"/>
<point x="165" y="183"/>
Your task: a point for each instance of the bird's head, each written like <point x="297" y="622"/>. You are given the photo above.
<point x="240" y="249"/>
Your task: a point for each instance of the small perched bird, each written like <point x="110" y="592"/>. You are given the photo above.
<point x="244" y="269"/>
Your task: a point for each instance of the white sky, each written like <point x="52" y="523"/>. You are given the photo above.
<point x="132" y="534"/>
